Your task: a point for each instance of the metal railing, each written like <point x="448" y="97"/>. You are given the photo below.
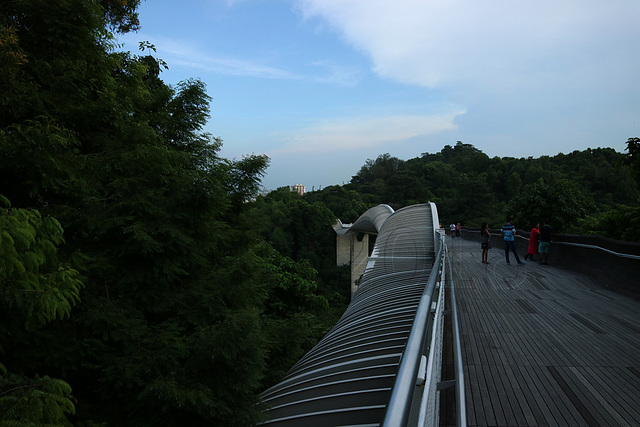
<point x="577" y="245"/>
<point x="609" y="251"/>
<point x="401" y="404"/>
<point x="402" y="394"/>
<point x="461" y="411"/>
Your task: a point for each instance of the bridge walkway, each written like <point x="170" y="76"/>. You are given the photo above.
<point x="542" y="345"/>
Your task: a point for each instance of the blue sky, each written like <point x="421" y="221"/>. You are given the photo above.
<point x="320" y="86"/>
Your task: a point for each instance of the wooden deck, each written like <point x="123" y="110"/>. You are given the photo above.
<point x="543" y="346"/>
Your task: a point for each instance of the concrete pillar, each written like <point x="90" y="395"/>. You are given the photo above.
<point x="343" y="249"/>
<point x="359" y="256"/>
<point x="351" y="248"/>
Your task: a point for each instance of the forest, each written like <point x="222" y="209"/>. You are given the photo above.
<point x="594" y="191"/>
<point x="142" y="282"/>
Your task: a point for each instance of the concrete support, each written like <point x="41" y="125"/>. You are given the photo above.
<point x="343" y="249"/>
<point x="359" y="256"/>
<point x="352" y="249"/>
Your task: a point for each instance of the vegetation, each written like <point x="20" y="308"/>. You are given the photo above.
<point x="142" y="284"/>
<point x="162" y="306"/>
<point x="301" y="229"/>
<point x="576" y="192"/>
<point x="36" y="289"/>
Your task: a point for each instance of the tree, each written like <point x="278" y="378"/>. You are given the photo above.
<point x="469" y="186"/>
<point x="35" y="289"/>
<point x="380" y="168"/>
<point x="345" y="204"/>
<point x="300" y="228"/>
<point x="176" y="323"/>
<point x="633" y="157"/>
<point x="121" y="16"/>
<point x="561" y="205"/>
<point x="296" y="317"/>
<point x="476" y="200"/>
<point x="622" y="222"/>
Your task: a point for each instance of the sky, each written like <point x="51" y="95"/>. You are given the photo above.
<point x="321" y="86"/>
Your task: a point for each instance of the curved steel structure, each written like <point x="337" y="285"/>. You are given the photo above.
<point x="369" y="222"/>
<point x="351" y="375"/>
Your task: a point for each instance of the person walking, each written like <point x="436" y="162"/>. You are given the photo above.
<point x="485" y="237"/>
<point x="508" y="233"/>
<point x="545" y="242"/>
<point x="533" y="242"/>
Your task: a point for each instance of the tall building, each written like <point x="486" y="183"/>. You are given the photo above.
<point x="299" y="188"/>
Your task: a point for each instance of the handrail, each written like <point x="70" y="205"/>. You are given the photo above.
<point x="461" y="409"/>
<point x="584" y="245"/>
<point x="579" y="245"/>
<point x="399" y="406"/>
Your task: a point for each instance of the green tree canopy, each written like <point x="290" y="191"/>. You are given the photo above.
<point x="35" y="289"/>
<point x="471" y="188"/>
<point x="561" y="205"/>
<point x="633" y="157"/>
<point x="184" y="305"/>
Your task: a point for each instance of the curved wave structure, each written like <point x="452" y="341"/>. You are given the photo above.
<point x="347" y="378"/>
<point x="369" y="222"/>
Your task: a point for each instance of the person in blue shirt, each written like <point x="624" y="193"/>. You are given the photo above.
<point x="508" y="233"/>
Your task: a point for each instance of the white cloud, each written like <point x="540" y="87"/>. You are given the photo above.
<point x="438" y="42"/>
<point x="535" y="77"/>
<point x="344" y="135"/>
<point x="188" y="55"/>
<point x="337" y="74"/>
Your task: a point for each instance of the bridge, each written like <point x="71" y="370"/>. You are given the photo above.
<point x="434" y="337"/>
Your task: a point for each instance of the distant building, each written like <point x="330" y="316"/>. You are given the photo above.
<point x="299" y="188"/>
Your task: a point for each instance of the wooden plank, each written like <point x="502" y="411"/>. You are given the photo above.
<point x="500" y="349"/>
<point x="601" y="392"/>
<point x="494" y="395"/>
<point x="485" y="398"/>
<point x="474" y="397"/>
<point x="546" y="405"/>
<point x="588" y="405"/>
<point x="615" y="382"/>
<point x="584" y="349"/>
<point x="558" y="398"/>
<point x="509" y="409"/>
<point x="516" y="353"/>
<point x="525" y="415"/>
<point x="544" y="346"/>
<point x="617" y="351"/>
<point x="631" y="328"/>
<point x="562" y="356"/>
<point x="623" y="383"/>
<point x="475" y="350"/>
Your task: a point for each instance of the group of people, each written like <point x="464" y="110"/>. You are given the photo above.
<point x="539" y="242"/>
<point x="455" y="229"/>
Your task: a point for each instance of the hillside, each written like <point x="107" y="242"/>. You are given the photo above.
<point x="580" y="191"/>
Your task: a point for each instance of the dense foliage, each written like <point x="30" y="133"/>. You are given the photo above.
<point x="162" y="306"/>
<point x="35" y="289"/>
<point x="576" y="192"/>
<point x="301" y="229"/>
